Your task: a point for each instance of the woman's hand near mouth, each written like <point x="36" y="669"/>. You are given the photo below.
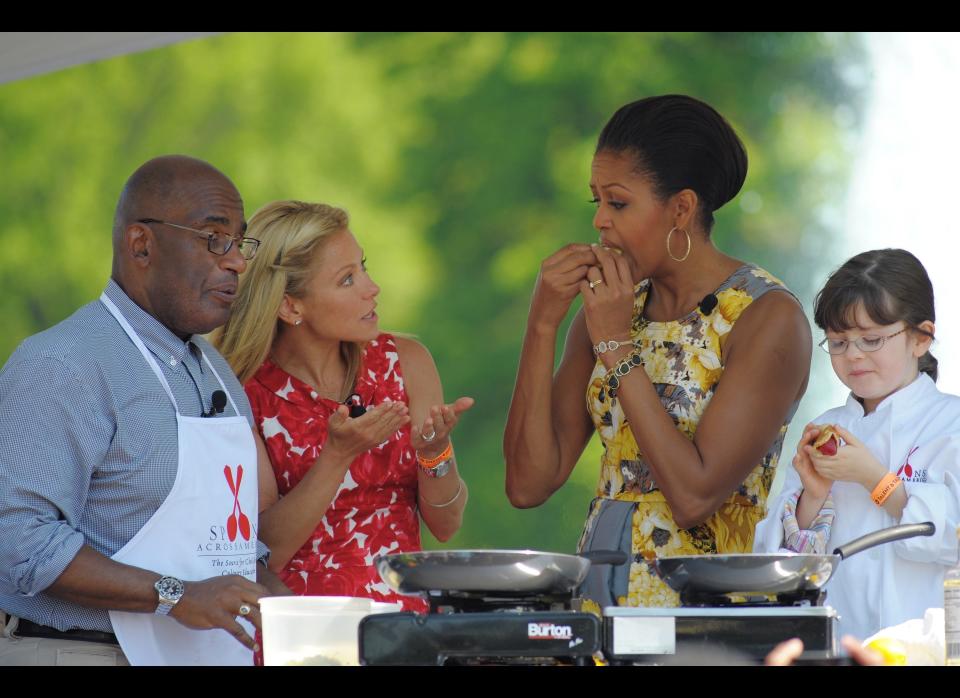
<point x="608" y="301"/>
<point x="559" y="282"/>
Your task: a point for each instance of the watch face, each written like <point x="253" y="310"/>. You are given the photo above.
<point x="169" y="588"/>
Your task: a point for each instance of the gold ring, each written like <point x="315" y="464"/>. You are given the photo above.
<point x="245" y="610"/>
<point x="594" y="284"/>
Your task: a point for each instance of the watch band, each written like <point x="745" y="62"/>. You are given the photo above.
<point x="438" y="470"/>
<point x="169" y="592"/>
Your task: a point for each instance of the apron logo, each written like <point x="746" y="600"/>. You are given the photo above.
<point x="237" y="518"/>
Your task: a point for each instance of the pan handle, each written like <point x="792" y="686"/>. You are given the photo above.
<point x="605" y="557"/>
<point x="886" y="535"/>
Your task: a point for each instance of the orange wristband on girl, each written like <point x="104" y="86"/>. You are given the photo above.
<point x="884" y="488"/>
<point x="434" y="462"/>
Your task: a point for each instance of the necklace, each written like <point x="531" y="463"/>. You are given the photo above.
<point x="327" y="390"/>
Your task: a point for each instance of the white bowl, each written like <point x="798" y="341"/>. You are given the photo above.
<point x="315" y="630"/>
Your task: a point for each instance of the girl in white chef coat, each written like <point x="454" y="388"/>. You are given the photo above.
<point x="900" y="458"/>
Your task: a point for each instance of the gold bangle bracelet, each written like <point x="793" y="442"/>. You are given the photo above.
<point x="445" y="504"/>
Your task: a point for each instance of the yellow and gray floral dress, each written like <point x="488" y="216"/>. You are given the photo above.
<point x="684" y="359"/>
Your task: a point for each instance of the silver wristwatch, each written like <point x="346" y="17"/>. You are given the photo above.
<point x="169" y="590"/>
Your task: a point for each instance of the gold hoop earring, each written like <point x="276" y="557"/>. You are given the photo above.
<point x="685" y="254"/>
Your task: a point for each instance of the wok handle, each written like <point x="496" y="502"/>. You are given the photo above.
<point x="605" y="557"/>
<point x="886" y="535"/>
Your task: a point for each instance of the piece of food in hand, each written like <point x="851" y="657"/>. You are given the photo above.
<point x="615" y="250"/>
<point x="828" y="442"/>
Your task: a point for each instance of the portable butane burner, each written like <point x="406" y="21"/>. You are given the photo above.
<point x="478" y="629"/>
<point x="487" y="607"/>
<point x="747" y="626"/>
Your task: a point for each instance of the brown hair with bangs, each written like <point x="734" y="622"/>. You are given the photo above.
<point x="891" y="284"/>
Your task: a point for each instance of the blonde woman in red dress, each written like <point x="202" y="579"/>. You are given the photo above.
<point x="352" y="418"/>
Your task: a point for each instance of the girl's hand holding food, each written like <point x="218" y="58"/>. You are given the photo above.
<point x="853" y="462"/>
<point x="814" y="483"/>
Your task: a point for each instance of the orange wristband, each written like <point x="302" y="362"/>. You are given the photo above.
<point x="884" y="488"/>
<point x="434" y="462"/>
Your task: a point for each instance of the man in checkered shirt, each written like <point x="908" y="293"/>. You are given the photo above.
<point x="89" y="438"/>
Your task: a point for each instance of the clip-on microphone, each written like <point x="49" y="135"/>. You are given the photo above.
<point x="354" y="402"/>
<point x="218" y="401"/>
<point x="708" y="303"/>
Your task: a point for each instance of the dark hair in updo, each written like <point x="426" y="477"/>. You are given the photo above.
<point x="892" y="285"/>
<point x="679" y="143"/>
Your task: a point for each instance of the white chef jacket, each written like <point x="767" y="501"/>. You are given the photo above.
<point x="918" y="426"/>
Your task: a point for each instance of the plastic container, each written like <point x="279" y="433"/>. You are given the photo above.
<point x="315" y="630"/>
<point x="951" y="611"/>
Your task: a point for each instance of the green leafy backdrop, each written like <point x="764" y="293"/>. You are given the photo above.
<point x="463" y="160"/>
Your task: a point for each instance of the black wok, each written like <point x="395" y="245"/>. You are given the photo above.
<point x="489" y="571"/>
<point x="753" y="573"/>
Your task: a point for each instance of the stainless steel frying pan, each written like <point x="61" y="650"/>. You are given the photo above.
<point x="489" y="571"/>
<point x="754" y="573"/>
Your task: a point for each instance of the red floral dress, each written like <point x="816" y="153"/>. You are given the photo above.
<point x="375" y="509"/>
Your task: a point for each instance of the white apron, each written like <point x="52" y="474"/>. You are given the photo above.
<point x="207" y="526"/>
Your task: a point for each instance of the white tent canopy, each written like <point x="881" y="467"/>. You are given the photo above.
<point x="24" y="54"/>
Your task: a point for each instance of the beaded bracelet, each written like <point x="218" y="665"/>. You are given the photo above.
<point x="622" y="368"/>
<point x="608" y="345"/>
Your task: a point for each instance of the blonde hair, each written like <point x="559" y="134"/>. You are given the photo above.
<point x="290" y="234"/>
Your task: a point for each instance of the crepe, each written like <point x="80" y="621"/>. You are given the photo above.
<point x="828" y="442"/>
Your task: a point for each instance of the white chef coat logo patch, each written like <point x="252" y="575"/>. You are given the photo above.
<point x="908" y="473"/>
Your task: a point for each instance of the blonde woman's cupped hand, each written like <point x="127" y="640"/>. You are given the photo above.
<point x="348" y="437"/>
<point x="430" y="438"/>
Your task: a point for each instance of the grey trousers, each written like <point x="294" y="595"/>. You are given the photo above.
<point x="38" y="651"/>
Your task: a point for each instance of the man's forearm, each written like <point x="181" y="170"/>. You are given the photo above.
<point x="95" y="581"/>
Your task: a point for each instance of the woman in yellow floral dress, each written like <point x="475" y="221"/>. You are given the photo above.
<point x="692" y="367"/>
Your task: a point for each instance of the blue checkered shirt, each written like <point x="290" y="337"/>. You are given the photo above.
<point x="88" y="446"/>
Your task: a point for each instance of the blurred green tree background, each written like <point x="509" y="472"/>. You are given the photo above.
<point x="463" y="160"/>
